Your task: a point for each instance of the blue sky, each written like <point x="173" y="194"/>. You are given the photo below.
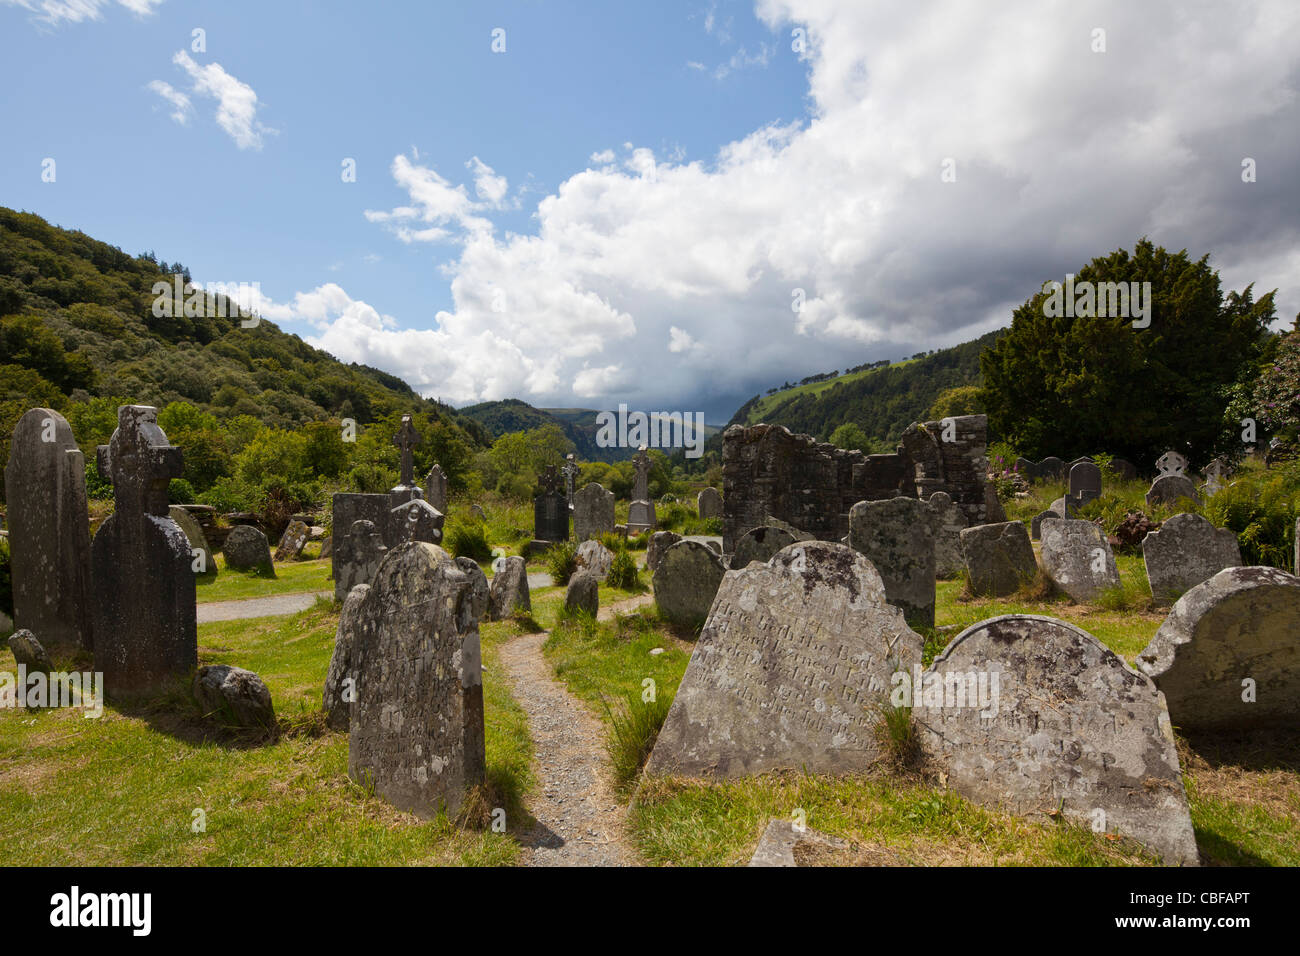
<point x="622" y="204"/>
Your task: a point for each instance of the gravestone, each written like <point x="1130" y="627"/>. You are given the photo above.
<point x="1085" y="483"/>
<point x="1062" y="507"/>
<point x="416" y="731"/>
<point x="1027" y="469"/>
<point x="550" y="510"/>
<point x="596" y="558"/>
<point x="234" y="695"/>
<point x="341" y="678"/>
<point x="292" y="541"/>
<point x="414" y="520"/>
<point x="201" y="560"/>
<point x="1078" y="559"/>
<point x="49" y="532"/>
<point x="794" y="659"/>
<point x="1052" y="468"/>
<point x="593" y="512"/>
<point x="406" y="439"/>
<point x="435" y="488"/>
<point x="993" y="510"/>
<point x="1065" y="725"/>
<point x="660" y="542"/>
<point x="146" y="633"/>
<point x="247" y="549"/>
<point x="480" y="589"/>
<point x="948" y="522"/>
<point x="357" y="557"/>
<point x="509" y="591"/>
<point x="1186" y="551"/>
<point x="583" y="593"/>
<point x="760" y="544"/>
<point x="1228" y="655"/>
<point x="641" y="512"/>
<point x="708" y="503"/>
<point x="1081" y="460"/>
<point x="1171" y="463"/>
<point x="570" y="471"/>
<point x="1216" y="474"/>
<point x="686" y="582"/>
<point x="1169" y="489"/>
<point x="998" y="558"/>
<point x="1036" y="525"/>
<point x="29" y="653"/>
<point x="897" y="536"/>
<point x="350" y="508"/>
<point x="1124" y="469"/>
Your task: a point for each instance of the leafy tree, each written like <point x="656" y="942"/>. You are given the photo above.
<point x="1069" y="386"/>
<point x="962" y="400"/>
<point x="851" y="436"/>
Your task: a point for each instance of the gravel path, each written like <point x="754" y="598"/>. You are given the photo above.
<point x="279" y="604"/>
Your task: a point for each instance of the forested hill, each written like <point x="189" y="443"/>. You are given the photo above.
<point x="882" y="400"/>
<point x="77" y="323"/>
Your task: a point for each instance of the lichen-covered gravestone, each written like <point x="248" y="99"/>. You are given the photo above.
<point x="292" y="541"/>
<point x="1063" y="724"/>
<point x="760" y="544"/>
<point x="200" y="553"/>
<point x="414" y="520"/>
<point x="416" y="728"/>
<point x="509" y="589"/>
<point x="1169" y="489"/>
<point x="341" y="678"/>
<point x="49" y="532"/>
<point x="583" y="593"/>
<point x="593" y="511"/>
<point x="146" y="634"/>
<point x="999" y="558"/>
<point x="948" y="522"/>
<point x="595" y="557"/>
<point x="435" y="488"/>
<point x="687" y="581"/>
<point x="1186" y="551"/>
<point x="708" y="503"/>
<point x="897" y="536"/>
<point x="659" y="544"/>
<point x="1228" y="655"/>
<point x="789" y="669"/>
<point x="1036" y="525"/>
<point x="246" y="549"/>
<point x="357" y="557"/>
<point x="1077" y="558"/>
<point x="480" y="589"/>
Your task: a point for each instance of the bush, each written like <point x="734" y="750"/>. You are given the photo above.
<point x="561" y="562"/>
<point x="633" y="728"/>
<point x="6" y="579"/>
<point x="469" y="541"/>
<point x="180" y="492"/>
<point x="623" y="571"/>
<point x="1261" y="507"/>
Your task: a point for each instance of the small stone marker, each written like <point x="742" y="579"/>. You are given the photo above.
<point x="49" y="533"/>
<point x="1228" y="655"/>
<point x="416" y="731"/>
<point x="1033" y="714"/>
<point x="509" y="591"/>
<point x="234" y="695"/>
<point x="593" y="512"/>
<point x="760" y="544"/>
<point x="687" y="581"/>
<point x="357" y="557"/>
<point x="596" y="558"/>
<point x="246" y="549"/>
<point x="341" y="678"/>
<point x="1185" y="552"/>
<point x="1078" y="559"/>
<point x="948" y="522"/>
<point x="708" y="503"/>
<point x="897" y="536"/>
<point x="292" y="541"/>
<point x="789" y="668"/>
<point x="1085" y="483"/>
<point x="29" y="653"/>
<point x="776" y="845"/>
<point x="583" y="593"/>
<point x="1169" y="489"/>
<point x="551" y="510"/>
<point x="200" y="554"/>
<point x="435" y="488"/>
<point x="999" y="558"/>
<point x="146" y="633"/>
<point x="660" y="542"/>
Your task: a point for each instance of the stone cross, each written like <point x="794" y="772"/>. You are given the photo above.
<point x="1215" y="472"/>
<point x="570" y="477"/>
<point x="139" y="462"/>
<point x="641" y="489"/>
<point x="1172" y="463"/>
<point x="406" y="439"/>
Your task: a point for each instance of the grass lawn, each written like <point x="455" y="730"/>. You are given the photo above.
<point x="291" y="577"/>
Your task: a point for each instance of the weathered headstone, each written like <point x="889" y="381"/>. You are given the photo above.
<point x="234" y="695"/>
<point x="793" y="661"/>
<point x="341" y="678"/>
<point x="350" y="508"/>
<point x="1228" y="655"/>
<point x="416" y="733"/>
<point x="480" y="589"/>
<point x="593" y="512"/>
<point x="146" y="632"/>
<point x="708" y="503"/>
<point x="357" y="557"/>
<point x="583" y="593"/>
<point x="999" y="558"/>
<point x="993" y="510"/>
<point x="1185" y="552"/>
<point x="28" y="652"/>
<point x="1052" y="468"/>
<point x="1077" y="558"/>
<point x="246" y="549"/>
<point x="292" y="541"/>
<point x="1124" y="469"/>
<point x="760" y="544"/>
<point x="641" y="512"/>
<point x="200" y="554"/>
<point x="1036" y="525"/>
<point x="435" y="488"/>
<point x="509" y="592"/>
<point x="414" y="520"/>
<point x="1085" y="483"/>
<point x="49" y="532"/>
<point x="897" y="536"/>
<point x="1172" y="463"/>
<point x="687" y="581"/>
<point x="948" y="522"/>
<point x="1169" y="489"/>
<point x="596" y="558"/>
<point x="660" y="542"/>
<point x="1063" y="725"/>
<point x="550" y="510"/>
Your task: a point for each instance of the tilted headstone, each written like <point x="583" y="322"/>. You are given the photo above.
<point x="659" y="544"/>
<point x="480" y="589"/>
<point x="28" y="652"/>
<point x="708" y="503"/>
<point x="1171" y="463"/>
<point x="760" y="544"/>
<point x="49" y="532"/>
<point x="246" y="549"/>
<point x="1170" y="489"/>
<point x="414" y="520"/>
<point x="146" y="632"/>
<point x="1085" y="483"/>
<point x="999" y="558"/>
<point x="1186" y="551"/>
<point x="595" y="557"/>
<point x="993" y="510"/>
<point x="550" y="510"/>
<point x="641" y="512"/>
<point x="341" y="678"/>
<point x="435" y="488"/>
<point x="1034" y="715"/>
<point x="200" y="554"/>
<point x="509" y="592"/>
<point x="292" y="541"/>
<point x="593" y="512"/>
<point x="1077" y="558"/>
<point x="416" y="732"/>
<point x="357" y="557"/>
<point x="897" y="536"/>
<point x="687" y="581"/>
<point x="583" y="593"/>
<point x="789" y="670"/>
<point x="948" y="522"/>
<point x="1228" y="655"/>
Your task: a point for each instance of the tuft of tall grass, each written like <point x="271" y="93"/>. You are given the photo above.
<point x="561" y="562"/>
<point x="634" y="726"/>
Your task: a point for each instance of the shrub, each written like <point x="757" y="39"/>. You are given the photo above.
<point x="623" y="571"/>
<point x="633" y="728"/>
<point x="6" y="579"/>
<point x="1261" y="507"/>
<point x="180" y="492"/>
<point x="561" y="562"/>
<point x="469" y="541"/>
